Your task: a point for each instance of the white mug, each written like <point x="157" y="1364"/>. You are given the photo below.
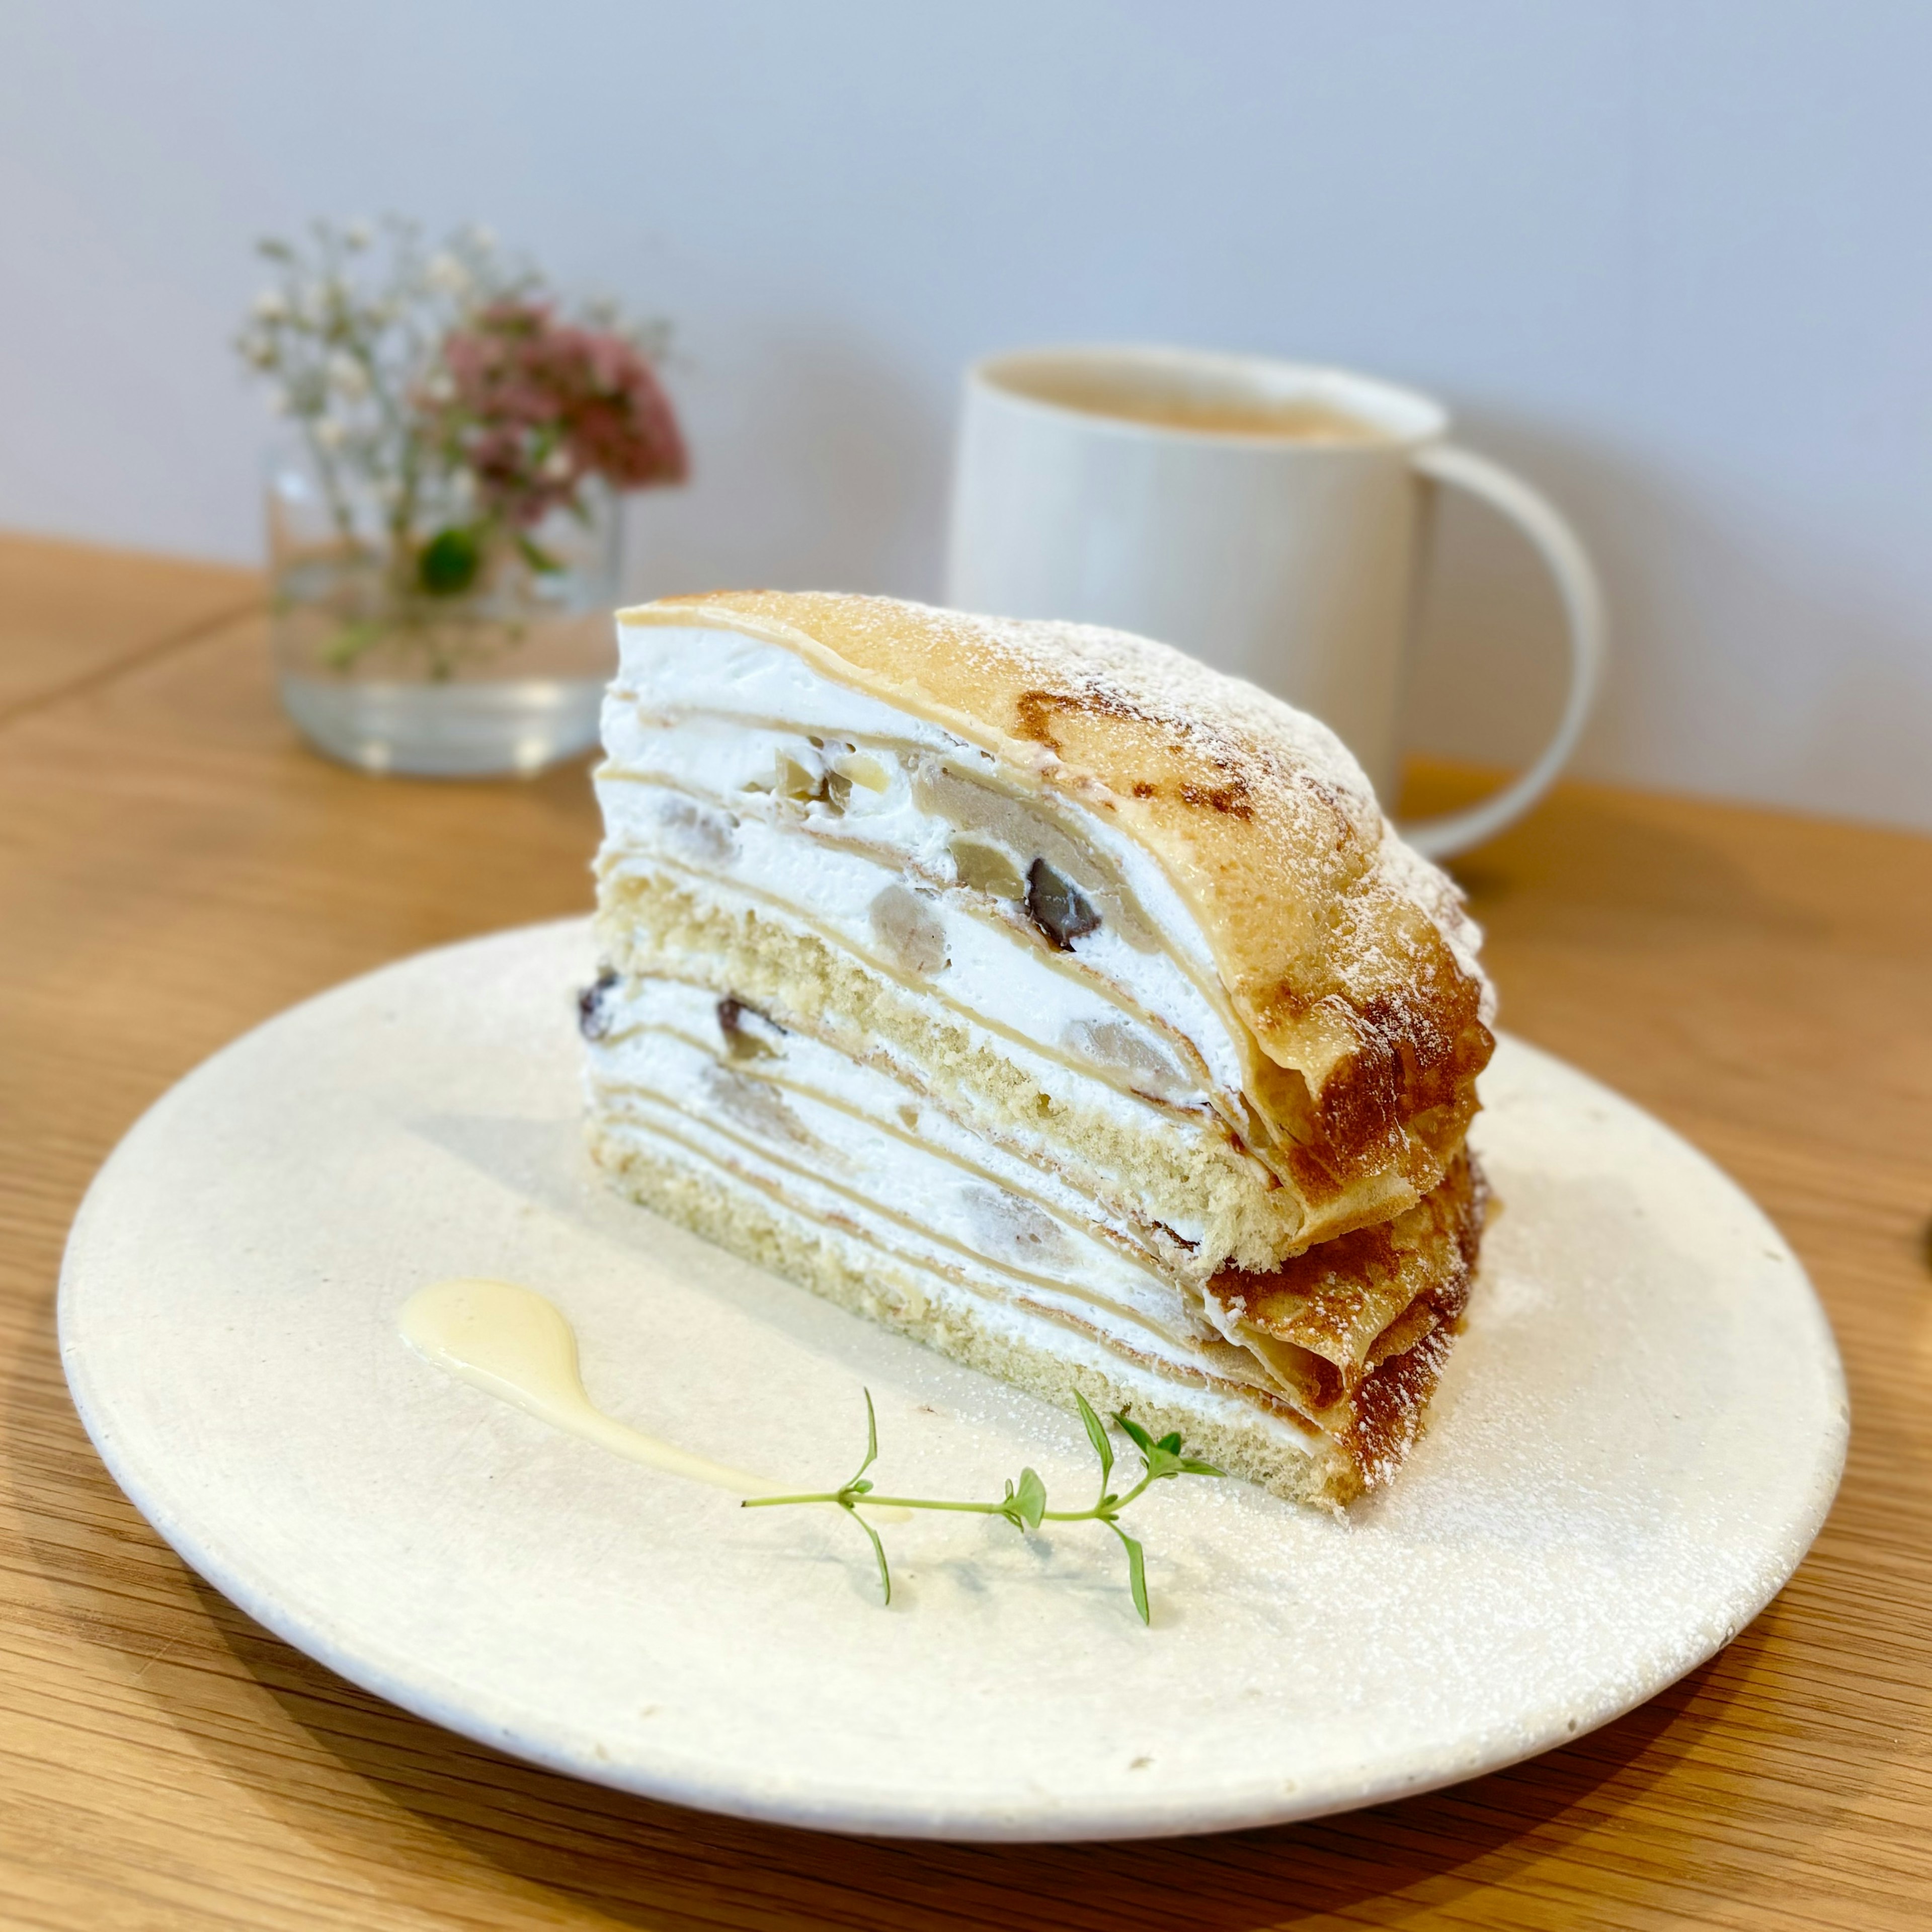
<point x="1265" y="516"/>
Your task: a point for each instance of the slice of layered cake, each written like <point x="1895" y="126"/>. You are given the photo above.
<point x="1039" y="993"/>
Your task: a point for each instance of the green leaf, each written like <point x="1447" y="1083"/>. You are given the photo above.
<point x="1161" y="1462"/>
<point x="449" y="563"/>
<point x="871" y="1443"/>
<point x="1195" y="1466"/>
<point x="878" y="1550"/>
<point x="1171" y="1444"/>
<point x="1136" y="1572"/>
<point x="1096" y="1434"/>
<point x="539" y="559"/>
<point x="1030" y="1499"/>
<point x="1142" y="1440"/>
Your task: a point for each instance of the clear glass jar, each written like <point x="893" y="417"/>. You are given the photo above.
<point x="445" y="656"/>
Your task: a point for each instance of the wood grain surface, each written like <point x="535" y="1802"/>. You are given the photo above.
<point x="173" y="869"/>
<point x="69" y="615"/>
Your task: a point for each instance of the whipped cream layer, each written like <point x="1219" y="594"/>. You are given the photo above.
<point x="840" y="1141"/>
<point x="632" y="1016"/>
<point x="731" y="761"/>
<point x="1132" y="1357"/>
<point x="859" y="1132"/>
<point x="840" y="1145"/>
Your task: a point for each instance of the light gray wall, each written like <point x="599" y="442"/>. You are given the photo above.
<point x="1673" y="259"/>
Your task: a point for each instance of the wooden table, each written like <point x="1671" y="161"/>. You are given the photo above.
<point x="173" y="868"/>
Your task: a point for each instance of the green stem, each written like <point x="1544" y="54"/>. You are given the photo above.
<point x="846" y="1499"/>
<point x="1100" y="1512"/>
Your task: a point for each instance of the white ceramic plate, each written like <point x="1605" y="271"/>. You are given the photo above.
<point x="1637" y="1439"/>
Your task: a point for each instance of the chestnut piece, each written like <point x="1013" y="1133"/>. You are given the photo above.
<point x="1055" y="905"/>
<point x="593" y="1011"/>
<point x="748" y="1033"/>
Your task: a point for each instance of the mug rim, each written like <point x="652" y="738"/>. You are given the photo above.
<point x="1404" y="418"/>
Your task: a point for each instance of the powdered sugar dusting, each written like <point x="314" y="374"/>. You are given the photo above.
<point x="1440" y="896"/>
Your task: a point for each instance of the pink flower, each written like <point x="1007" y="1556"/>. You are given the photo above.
<point x="534" y="406"/>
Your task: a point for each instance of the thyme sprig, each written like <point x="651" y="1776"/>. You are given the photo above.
<point x="1024" y="1505"/>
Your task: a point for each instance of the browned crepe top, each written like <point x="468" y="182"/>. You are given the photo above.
<point x="1348" y="957"/>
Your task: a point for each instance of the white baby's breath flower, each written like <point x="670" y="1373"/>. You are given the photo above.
<point x="447" y="275"/>
<point x="278" y="400"/>
<point x="440" y="386"/>
<point x="348" y="377"/>
<point x="271" y="305"/>
<point x="462" y="490"/>
<point x="330" y="432"/>
<point x="482" y="238"/>
<point x="358" y="234"/>
<point x="557" y="466"/>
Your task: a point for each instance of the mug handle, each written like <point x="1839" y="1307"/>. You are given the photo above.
<point x="1583" y="598"/>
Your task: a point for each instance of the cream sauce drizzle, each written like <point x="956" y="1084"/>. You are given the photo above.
<point x="519" y="1345"/>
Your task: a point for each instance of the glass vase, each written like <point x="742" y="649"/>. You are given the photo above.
<point x="466" y="651"/>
